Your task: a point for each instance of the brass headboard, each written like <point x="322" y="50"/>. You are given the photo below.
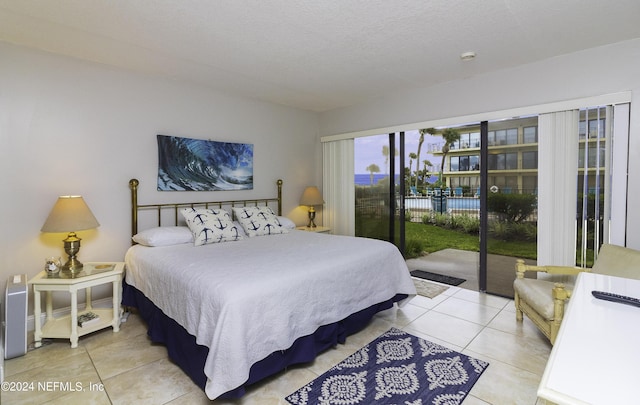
<point x="175" y="207"/>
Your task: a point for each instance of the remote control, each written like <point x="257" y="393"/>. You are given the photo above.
<point x="622" y="299"/>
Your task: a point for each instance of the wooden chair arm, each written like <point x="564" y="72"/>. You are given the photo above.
<point x="560" y="295"/>
<point x="560" y="292"/>
<point x="522" y="268"/>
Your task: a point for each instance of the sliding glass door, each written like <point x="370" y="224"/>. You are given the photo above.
<point x="421" y="193"/>
<point x="555" y="190"/>
<point x="510" y="186"/>
<point x="379" y="188"/>
<point x="547" y="188"/>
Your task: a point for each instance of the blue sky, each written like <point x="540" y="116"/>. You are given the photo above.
<point x="368" y="150"/>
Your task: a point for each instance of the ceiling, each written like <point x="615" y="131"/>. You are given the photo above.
<point x="316" y="55"/>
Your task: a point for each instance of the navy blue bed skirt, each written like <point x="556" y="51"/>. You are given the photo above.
<point x="190" y="356"/>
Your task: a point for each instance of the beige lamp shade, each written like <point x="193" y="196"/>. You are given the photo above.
<point x="69" y="214"/>
<point x="311" y="197"/>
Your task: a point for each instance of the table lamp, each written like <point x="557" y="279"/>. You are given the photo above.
<point x="70" y="214"/>
<point x="311" y="197"/>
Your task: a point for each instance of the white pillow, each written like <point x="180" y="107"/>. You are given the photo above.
<point x="164" y="236"/>
<point x="210" y="225"/>
<point x="286" y="222"/>
<point x="259" y="221"/>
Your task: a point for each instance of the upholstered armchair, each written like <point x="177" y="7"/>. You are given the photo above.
<point x="543" y="299"/>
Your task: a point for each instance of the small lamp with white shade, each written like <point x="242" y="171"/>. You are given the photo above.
<point x="70" y="214"/>
<point x="311" y="197"/>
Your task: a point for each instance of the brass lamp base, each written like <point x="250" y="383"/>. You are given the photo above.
<point x="312" y="216"/>
<point x="72" y="248"/>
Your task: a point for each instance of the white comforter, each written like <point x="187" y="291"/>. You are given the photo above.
<point x="247" y="299"/>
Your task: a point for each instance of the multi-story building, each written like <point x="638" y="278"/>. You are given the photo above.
<point x="513" y="155"/>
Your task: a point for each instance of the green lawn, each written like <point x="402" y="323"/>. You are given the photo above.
<point x="436" y="238"/>
<point x="430" y="238"/>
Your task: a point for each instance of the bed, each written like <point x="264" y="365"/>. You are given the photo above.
<point x="232" y="312"/>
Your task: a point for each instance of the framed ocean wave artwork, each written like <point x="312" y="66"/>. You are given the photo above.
<point x="186" y="164"/>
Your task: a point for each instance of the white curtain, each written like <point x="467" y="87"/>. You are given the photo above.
<point x="338" y="186"/>
<point x="557" y="187"/>
<point x="619" y="166"/>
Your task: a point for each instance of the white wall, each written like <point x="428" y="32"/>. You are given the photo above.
<point x="73" y="127"/>
<point x="594" y="72"/>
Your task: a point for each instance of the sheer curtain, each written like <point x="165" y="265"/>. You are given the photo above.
<point x="616" y="229"/>
<point x="338" y="186"/>
<point x="557" y="187"/>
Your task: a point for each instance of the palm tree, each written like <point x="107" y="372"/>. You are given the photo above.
<point x="450" y="136"/>
<point x="425" y="170"/>
<point x="430" y="131"/>
<point x="408" y="179"/>
<point x="426" y="164"/>
<point x="386" y="153"/>
<point x="372" y="168"/>
<point x="411" y="157"/>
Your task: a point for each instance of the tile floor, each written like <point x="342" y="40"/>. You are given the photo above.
<point x="125" y="368"/>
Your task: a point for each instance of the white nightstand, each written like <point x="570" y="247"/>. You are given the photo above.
<point x="317" y="229"/>
<point x="66" y="327"/>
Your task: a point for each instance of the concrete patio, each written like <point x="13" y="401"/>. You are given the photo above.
<point x="464" y="264"/>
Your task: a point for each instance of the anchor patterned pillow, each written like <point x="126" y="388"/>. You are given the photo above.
<point x="210" y="225"/>
<point x="259" y="221"/>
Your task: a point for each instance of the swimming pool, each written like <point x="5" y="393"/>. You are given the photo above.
<point x="453" y="203"/>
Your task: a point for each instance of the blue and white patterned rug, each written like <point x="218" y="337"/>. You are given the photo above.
<point x="396" y="368"/>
